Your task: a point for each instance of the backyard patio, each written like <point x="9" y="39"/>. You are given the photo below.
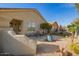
<point x="53" y="48"/>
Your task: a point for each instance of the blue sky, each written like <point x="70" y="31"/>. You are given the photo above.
<point x="63" y="13"/>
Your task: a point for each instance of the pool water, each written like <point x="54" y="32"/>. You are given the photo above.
<point x="50" y="37"/>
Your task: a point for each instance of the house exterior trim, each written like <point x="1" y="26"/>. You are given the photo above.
<point x="22" y="9"/>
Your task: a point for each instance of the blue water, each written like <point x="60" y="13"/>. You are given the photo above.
<point x="49" y="38"/>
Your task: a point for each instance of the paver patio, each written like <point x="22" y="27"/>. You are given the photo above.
<point x="51" y="48"/>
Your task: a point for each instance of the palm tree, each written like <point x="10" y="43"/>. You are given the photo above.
<point x="72" y="29"/>
<point x="77" y="6"/>
<point x="76" y="22"/>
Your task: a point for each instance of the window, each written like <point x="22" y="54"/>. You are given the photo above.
<point x="31" y="26"/>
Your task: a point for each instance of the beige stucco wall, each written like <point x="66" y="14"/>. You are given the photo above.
<point x="26" y="16"/>
<point x="1" y="37"/>
<point x="15" y="46"/>
<point x="0" y="41"/>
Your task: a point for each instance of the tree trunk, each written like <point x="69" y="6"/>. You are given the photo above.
<point x="72" y="37"/>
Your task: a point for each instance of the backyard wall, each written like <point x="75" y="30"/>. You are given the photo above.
<point x="0" y="41"/>
<point x="17" y="46"/>
<point x="1" y="36"/>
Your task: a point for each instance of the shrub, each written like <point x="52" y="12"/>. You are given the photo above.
<point x="46" y="27"/>
<point x="75" y="48"/>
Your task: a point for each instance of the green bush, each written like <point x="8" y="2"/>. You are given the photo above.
<point x="46" y="27"/>
<point x="74" y="47"/>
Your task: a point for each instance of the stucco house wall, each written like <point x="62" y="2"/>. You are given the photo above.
<point x="27" y="15"/>
<point x="9" y="44"/>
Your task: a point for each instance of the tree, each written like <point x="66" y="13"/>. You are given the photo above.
<point x="46" y="27"/>
<point x="72" y="28"/>
<point x="77" y="6"/>
<point x="76" y="22"/>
